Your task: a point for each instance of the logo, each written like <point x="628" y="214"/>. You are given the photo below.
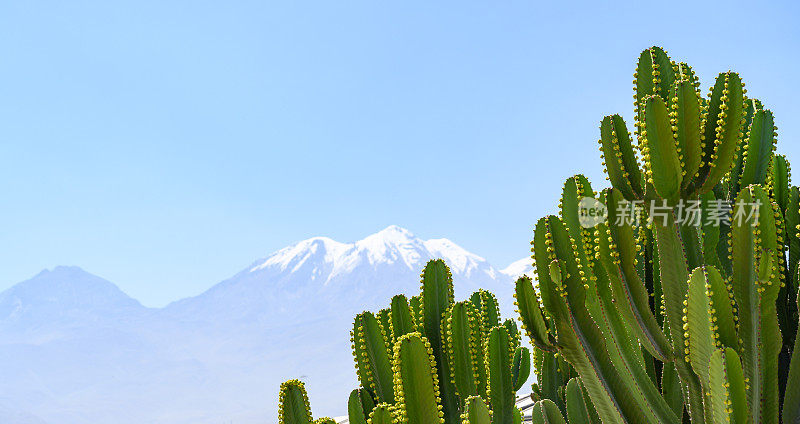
<point x="591" y="212"/>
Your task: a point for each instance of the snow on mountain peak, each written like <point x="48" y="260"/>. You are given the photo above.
<point x="394" y="246"/>
<point x="518" y="268"/>
<point x="294" y="256"/>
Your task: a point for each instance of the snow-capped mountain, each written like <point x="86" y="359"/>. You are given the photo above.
<point x="75" y="349"/>
<point x="320" y="276"/>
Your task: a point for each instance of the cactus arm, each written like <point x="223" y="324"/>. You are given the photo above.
<point x="791" y="403"/>
<point x="359" y="405"/>
<point x="760" y="142"/>
<point x="549" y="377"/>
<point x="531" y="316"/>
<point x="674" y="277"/>
<point x="650" y="399"/>
<point x="372" y="357"/>
<point x="401" y="317"/>
<point x="437" y="297"/>
<point x="546" y="412"/>
<point x="462" y="347"/>
<point x="602" y="308"/>
<point x="486" y="304"/>
<point x="517" y="419"/>
<point x="755" y="288"/>
<point x="385" y="319"/>
<point x="383" y="414"/>
<point x="792" y="224"/>
<point x="654" y="76"/>
<point x="513" y="333"/>
<point x="722" y="129"/>
<point x="325" y="420"/>
<point x="629" y="291"/>
<point x="727" y="399"/>
<point x="416" y="381"/>
<point x="476" y="411"/>
<point x="660" y="150"/>
<point x="723" y="314"/>
<point x="710" y="234"/>
<point x="751" y="106"/>
<point x="685" y="120"/>
<point x="498" y="373"/>
<point x="293" y="407"/>
<point x="621" y="165"/>
<point x="698" y="324"/>
<point x="415" y="304"/>
<point x="579" y="338"/>
<point x="521" y="367"/>
<point x="671" y="388"/>
<point x="779" y="176"/>
<point x="578" y="412"/>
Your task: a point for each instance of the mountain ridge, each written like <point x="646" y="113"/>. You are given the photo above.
<point x="76" y="359"/>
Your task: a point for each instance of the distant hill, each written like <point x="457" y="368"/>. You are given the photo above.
<point x="75" y="349"/>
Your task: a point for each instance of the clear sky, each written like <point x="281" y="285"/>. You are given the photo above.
<point x="165" y="145"/>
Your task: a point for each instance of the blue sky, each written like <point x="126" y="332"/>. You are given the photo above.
<point x="164" y="145"/>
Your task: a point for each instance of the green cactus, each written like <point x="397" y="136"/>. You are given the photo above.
<point x="579" y="407"/>
<point x="359" y="406"/>
<point x="416" y="381"/>
<point x="371" y="354"/>
<point x="500" y="389"/>
<point x="487" y="305"/>
<point x="401" y="317"/>
<point x="661" y="321"/>
<point x="293" y="406"/>
<point x="520" y="367"/>
<point x="791" y="403"/>
<point x="384" y="414"/>
<point x="713" y="307"/>
<point x="476" y="411"/>
<point x="436" y="298"/>
<point x="415" y="303"/>
<point x="546" y="412"/>
<point x="463" y="332"/>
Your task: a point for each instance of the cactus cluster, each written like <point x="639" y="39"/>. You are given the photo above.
<point x="664" y="319"/>
<point x="432" y="360"/>
<point x="449" y="361"/>
<point x="645" y="316"/>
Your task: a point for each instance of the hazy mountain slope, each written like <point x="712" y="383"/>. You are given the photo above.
<point x="74" y="349"/>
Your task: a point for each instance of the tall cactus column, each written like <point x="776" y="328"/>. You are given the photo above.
<point x="437" y="298"/>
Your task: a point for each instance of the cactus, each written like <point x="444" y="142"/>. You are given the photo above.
<point x="498" y="371"/>
<point x="520" y="367"/>
<point x="476" y="412"/>
<point x="293" y="407"/>
<point x="713" y="307"/>
<point x="403" y="354"/>
<point x="370" y="350"/>
<point x="579" y="409"/>
<point x="384" y="414"/>
<point x="436" y="299"/>
<point x="661" y="321"/>
<point x="416" y="381"/>
<point x="463" y="332"/>
<point x="359" y="406"/>
<point x="402" y="320"/>
<point x="546" y="412"/>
